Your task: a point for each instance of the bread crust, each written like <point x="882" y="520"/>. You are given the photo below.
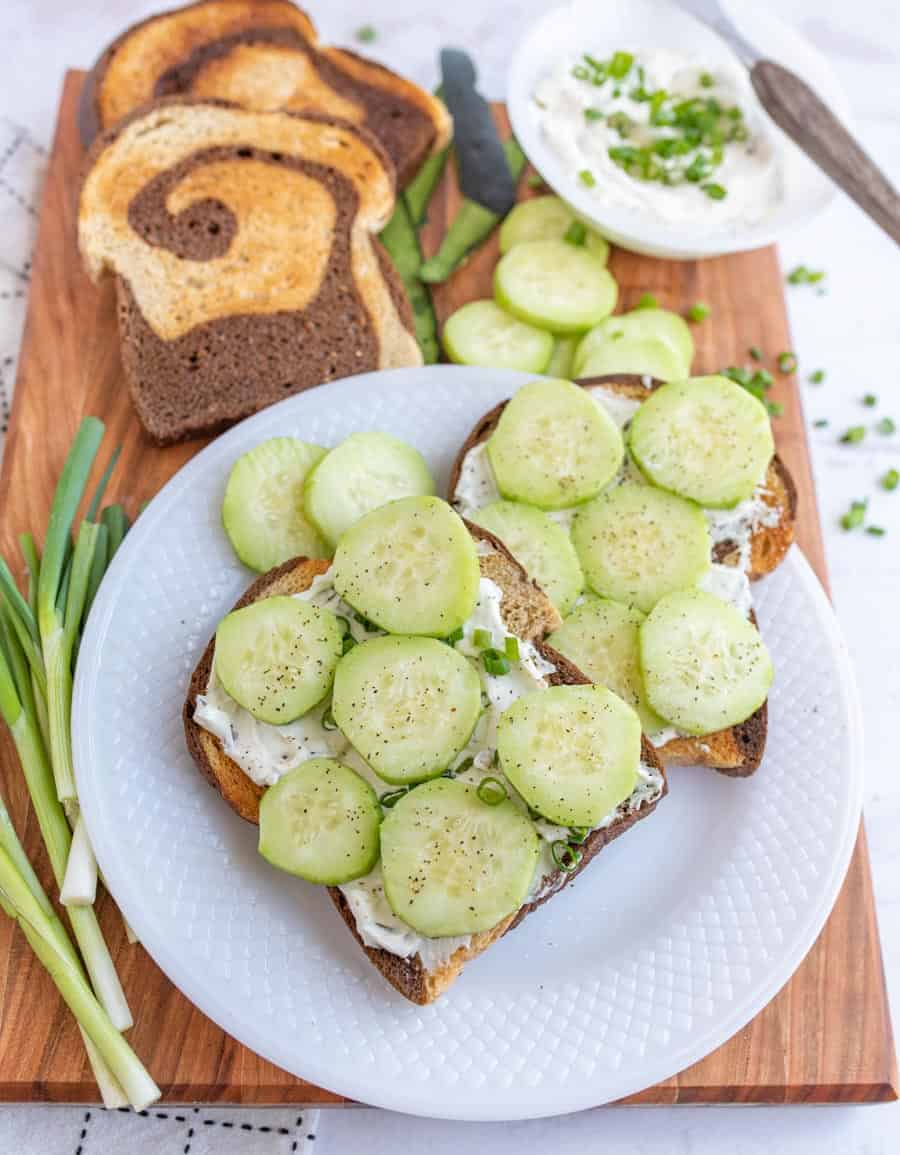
<point x="737" y="751"/>
<point x="532" y="618"/>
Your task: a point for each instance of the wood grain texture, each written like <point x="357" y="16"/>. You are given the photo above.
<point x="827" y="1035"/>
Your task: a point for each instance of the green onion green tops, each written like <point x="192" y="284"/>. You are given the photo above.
<point x="855" y="515"/>
<point x="891" y="479"/>
<point x="755" y="352"/>
<point x="817" y="376"/>
<point x="854" y="434"/>
<point x="870" y="400"/>
<point x="647" y="301"/>
<point x="587" y="178"/>
<point x="876" y="530"/>
<point x="698" y="312"/>
<point x="366" y="34"/>
<point x="575" y="234"/>
<point x="482" y="639"/>
<point x="787" y="362"/>
<point x="801" y="275"/>
<point x="886" y="426"/>
<point x="491" y="791"/>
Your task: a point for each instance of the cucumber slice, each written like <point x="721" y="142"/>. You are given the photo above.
<point x="277" y="657"/>
<point x="547" y="218"/>
<point x="541" y="545"/>
<point x="553" y="446"/>
<point x="481" y="333"/>
<point x="563" y="354"/>
<point x="408" y="705"/>
<point x="705" y="666"/>
<point x="362" y="473"/>
<point x="601" y="638"/>
<point x="555" y="286"/>
<point x="263" y="508"/>
<point x="636" y="543"/>
<point x="572" y="752"/>
<point x="320" y="821"/>
<point x="411" y="567"/>
<point x="453" y="865"/>
<point x="656" y="324"/>
<point x="646" y="356"/>
<point x="706" y="438"/>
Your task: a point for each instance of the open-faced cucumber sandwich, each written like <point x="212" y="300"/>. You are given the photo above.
<point x="394" y="719"/>
<point x="645" y="510"/>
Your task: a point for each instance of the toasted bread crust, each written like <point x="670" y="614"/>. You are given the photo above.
<point x="528" y="613"/>
<point x="737" y="751"/>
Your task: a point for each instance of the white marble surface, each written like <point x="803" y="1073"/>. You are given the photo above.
<point x="853" y="332"/>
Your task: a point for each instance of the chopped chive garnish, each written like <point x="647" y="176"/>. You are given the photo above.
<point x="822" y="423"/>
<point x="870" y="400"/>
<point x="707" y="80"/>
<point x="817" y="377"/>
<point x="855" y="515"/>
<point x="876" y="530"/>
<point x="755" y="352"/>
<point x="495" y="663"/>
<point x="566" y="857"/>
<point x="392" y="797"/>
<point x="886" y="426"/>
<point x="328" y="722"/>
<point x="854" y="434"/>
<point x="647" y="301"/>
<point x="511" y="648"/>
<point x="587" y="178"/>
<point x="698" y="312"/>
<point x="483" y="639"/>
<point x="575" y="234"/>
<point x="491" y="791"/>
<point x="787" y="362"/>
<point x="456" y="636"/>
<point x="535" y="180"/>
<point x="620" y="65"/>
<point x="366" y="34"/>
<point x="715" y="192"/>
<point x="801" y="275"/>
<point x="578" y="834"/>
<point x="593" y="114"/>
<point x="891" y="479"/>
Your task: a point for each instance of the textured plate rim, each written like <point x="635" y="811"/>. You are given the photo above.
<point x="472" y="1105"/>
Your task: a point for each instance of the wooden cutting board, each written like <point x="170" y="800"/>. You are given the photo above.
<point x="825" y="1038"/>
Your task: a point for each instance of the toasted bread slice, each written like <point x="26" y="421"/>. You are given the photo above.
<point x="738" y="750"/>
<point x="246" y="260"/>
<point x="528" y="614"/>
<point x="264" y="55"/>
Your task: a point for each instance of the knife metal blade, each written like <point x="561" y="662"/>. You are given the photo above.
<point x="484" y="175"/>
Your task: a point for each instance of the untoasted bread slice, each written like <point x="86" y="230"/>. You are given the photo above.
<point x="246" y="259"/>
<point x="738" y="750"/>
<point x="528" y="613"/>
<point x="262" y="54"/>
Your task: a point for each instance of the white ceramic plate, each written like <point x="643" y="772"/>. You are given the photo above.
<point x="655" y="24"/>
<point x="679" y="933"/>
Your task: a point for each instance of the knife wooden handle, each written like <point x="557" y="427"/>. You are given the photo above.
<point x="797" y="110"/>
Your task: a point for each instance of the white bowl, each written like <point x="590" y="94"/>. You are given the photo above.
<point x="654" y="24"/>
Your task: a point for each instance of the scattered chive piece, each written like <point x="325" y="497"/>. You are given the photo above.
<point x="647" y="301"/>
<point x="870" y="400"/>
<point x="587" y="178"/>
<point x="801" y="275"/>
<point x="854" y="434"/>
<point x="483" y="639"/>
<point x="565" y="856"/>
<point x="886" y="426"/>
<point x="578" y="834"/>
<point x="593" y="114"/>
<point x="511" y="648"/>
<point x="787" y="362"/>
<point x="890" y="480"/>
<point x="392" y="797"/>
<point x="491" y="791"/>
<point x="698" y="312"/>
<point x="817" y="377"/>
<point x="707" y="80"/>
<point x="757" y="382"/>
<point x="366" y="34"/>
<point x="495" y="663"/>
<point x="822" y="423"/>
<point x="715" y="192"/>
<point x="620" y="65"/>
<point x="855" y="515"/>
<point x="535" y="180"/>
<point x="575" y="234"/>
<point x="755" y="352"/>
<point x="876" y="530"/>
<point x="456" y="636"/>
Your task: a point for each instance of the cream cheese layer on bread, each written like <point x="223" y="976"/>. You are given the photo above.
<point x="477" y="487"/>
<point x="265" y="752"/>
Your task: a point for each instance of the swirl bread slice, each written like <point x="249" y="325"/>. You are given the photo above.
<point x="527" y="613"/>
<point x="737" y="751"/>
<point x="262" y="54"/>
<point x="245" y="256"/>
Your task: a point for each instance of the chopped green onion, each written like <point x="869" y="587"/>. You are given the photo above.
<point x="891" y="479"/>
<point x="886" y="426"/>
<point x="870" y="400"/>
<point x="593" y="114"/>
<point x="755" y="352"/>
<point x="707" y="80"/>
<point x="495" y="663"/>
<point x="698" y="312"/>
<point x="328" y="722"/>
<point x="787" y="362"/>
<point x="854" y="434"/>
<point x="855" y="515"/>
<point x="822" y="423"/>
<point x="482" y="639"/>
<point x="511" y="648"/>
<point x="456" y="636"/>
<point x="801" y="275"/>
<point x="366" y="34"/>
<point x="647" y="301"/>
<point x="876" y="530"/>
<point x="575" y="234"/>
<point x="578" y="834"/>
<point x="715" y="191"/>
<point x="817" y="376"/>
<point x="587" y="178"/>
<point x="620" y="65"/>
<point x="566" y="857"/>
<point x="392" y="797"/>
<point x="491" y="791"/>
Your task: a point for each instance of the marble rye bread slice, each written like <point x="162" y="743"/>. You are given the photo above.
<point x="245" y="255"/>
<point x="262" y="54"/>
<point x="528" y="613"/>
